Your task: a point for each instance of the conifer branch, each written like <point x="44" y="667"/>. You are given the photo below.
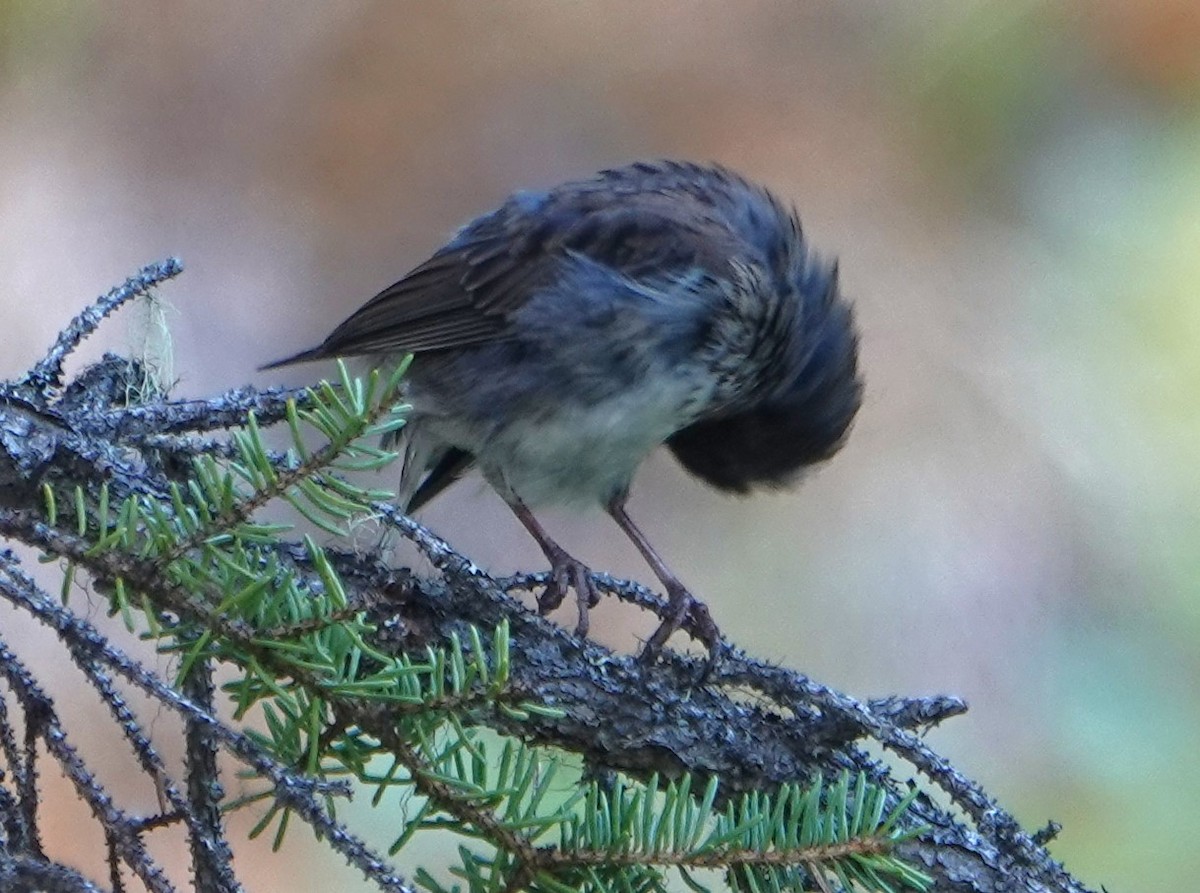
<point x="558" y="764"/>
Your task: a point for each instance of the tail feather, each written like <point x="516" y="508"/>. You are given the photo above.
<point x="452" y="465"/>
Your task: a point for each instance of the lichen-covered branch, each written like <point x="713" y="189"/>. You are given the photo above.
<point x="351" y="659"/>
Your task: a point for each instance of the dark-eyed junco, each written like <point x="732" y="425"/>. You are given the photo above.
<point x="562" y="337"/>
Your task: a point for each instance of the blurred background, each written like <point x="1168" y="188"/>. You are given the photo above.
<point x="1012" y="190"/>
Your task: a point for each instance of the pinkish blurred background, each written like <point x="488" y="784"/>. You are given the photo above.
<point x="1012" y="190"/>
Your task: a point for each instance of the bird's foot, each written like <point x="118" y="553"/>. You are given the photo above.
<point x="567" y="573"/>
<point x="684" y="609"/>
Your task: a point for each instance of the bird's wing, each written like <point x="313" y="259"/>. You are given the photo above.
<point x="640" y="226"/>
<point x="429" y="309"/>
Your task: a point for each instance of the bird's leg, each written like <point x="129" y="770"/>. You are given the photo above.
<point x="566" y="572"/>
<point x="680" y="603"/>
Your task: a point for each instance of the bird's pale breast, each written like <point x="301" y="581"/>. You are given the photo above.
<point x="571" y="453"/>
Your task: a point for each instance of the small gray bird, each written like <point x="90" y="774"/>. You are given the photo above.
<point x="561" y="338"/>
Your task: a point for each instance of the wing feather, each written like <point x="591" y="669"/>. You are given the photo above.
<point x="645" y="221"/>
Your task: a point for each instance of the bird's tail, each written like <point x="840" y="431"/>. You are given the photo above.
<point x="450" y="466"/>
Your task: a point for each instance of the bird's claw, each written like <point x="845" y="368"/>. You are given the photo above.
<point x="569" y="573"/>
<point x="684" y="609"/>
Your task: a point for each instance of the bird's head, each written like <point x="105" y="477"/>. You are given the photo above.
<point x="805" y="387"/>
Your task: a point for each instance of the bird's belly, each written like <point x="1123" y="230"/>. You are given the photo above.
<point x="577" y="454"/>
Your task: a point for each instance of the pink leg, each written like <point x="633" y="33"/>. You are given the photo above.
<point x="566" y="572"/>
<point x="680" y="602"/>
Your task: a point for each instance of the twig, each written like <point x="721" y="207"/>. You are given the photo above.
<point x="47" y="374"/>
<point x="291" y="788"/>
<point x="43" y="719"/>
